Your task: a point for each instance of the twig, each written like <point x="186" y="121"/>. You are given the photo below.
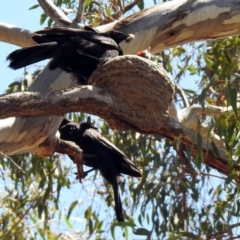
<point x="182" y="94"/>
<point x="189" y="168"/>
<point x="218" y="234"/>
<point x="20" y="219"/>
<point x="120" y="13"/>
<point x="213" y="91"/>
<point x="18" y="167"/>
<point x="212" y="175"/>
<point x="80" y="11"/>
<point x="235" y="237"/>
<point x="55" y="13"/>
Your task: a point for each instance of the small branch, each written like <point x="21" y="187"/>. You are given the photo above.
<point x="80" y="11"/>
<point x="217" y="110"/>
<point x="18" y="167"/>
<point x="173" y="129"/>
<point x="213" y="91"/>
<point x="190" y="115"/>
<point x="183" y="95"/>
<point x="219" y="234"/>
<point x="121" y="12"/>
<point x="73" y="151"/>
<point x="188" y="167"/>
<point x="130" y="6"/>
<point x="212" y="175"/>
<point x="55" y="13"/>
<point x="235" y="237"/>
<point x="18" y="220"/>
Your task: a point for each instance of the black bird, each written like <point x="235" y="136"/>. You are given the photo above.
<point x="101" y="155"/>
<point x="75" y="51"/>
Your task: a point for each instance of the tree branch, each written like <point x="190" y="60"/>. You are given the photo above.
<point x="80" y="11"/>
<point x="15" y="35"/>
<point x="170" y="24"/>
<point x="32" y="104"/>
<point x="220" y="234"/>
<point x="73" y="151"/>
<point x="120" y="13"/>
<point x="55" y="13"/>
<point x="183" y="95"/>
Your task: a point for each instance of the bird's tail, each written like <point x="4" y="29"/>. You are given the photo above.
<point x="118" y="203"/>
<point x="26" y="56"/>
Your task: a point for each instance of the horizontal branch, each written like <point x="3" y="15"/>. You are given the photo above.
<point x="168" y="24"/>
<point x="15" y="35"/>
<point x="32" y="104"/>
<point x="94" y="100"/>
<point x="177" y="22"/>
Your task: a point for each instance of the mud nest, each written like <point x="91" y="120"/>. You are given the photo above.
<point x="141" y="91"/>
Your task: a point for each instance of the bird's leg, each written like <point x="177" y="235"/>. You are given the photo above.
<point x="85" y="173"/>
<point x="88" y="171"/>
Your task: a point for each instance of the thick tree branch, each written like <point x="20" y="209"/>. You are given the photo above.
<point x="55" y="13"/>
<point x="15" y="35"/>
<point x="32" y="104"/>
<point x="171" y="23"/>
<point x="176" y="22"/>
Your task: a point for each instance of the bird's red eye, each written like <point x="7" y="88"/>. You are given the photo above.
<point x="140" y="53"/>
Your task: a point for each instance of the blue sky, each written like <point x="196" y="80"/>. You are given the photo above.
<point x="16" y="13"/>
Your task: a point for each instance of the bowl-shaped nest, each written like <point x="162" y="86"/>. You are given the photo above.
<point x="141" y="91"/>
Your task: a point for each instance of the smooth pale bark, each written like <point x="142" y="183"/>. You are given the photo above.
<point x="56" y="14"/>
<point x="168" y="24"/>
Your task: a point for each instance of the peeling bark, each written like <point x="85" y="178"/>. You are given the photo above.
<point x="169" y="24"/>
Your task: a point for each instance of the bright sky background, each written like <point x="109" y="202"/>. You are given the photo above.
<point x="16" y="13"/>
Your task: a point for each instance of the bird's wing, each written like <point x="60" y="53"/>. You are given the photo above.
<point x="128" y="167"/>
<point x="58" y="33"/>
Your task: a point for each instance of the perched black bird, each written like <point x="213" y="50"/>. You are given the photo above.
<point x="75" y="51"/>
<point x="101" y="155"/>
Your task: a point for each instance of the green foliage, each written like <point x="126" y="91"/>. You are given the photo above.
<point x="34" y="192"/>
